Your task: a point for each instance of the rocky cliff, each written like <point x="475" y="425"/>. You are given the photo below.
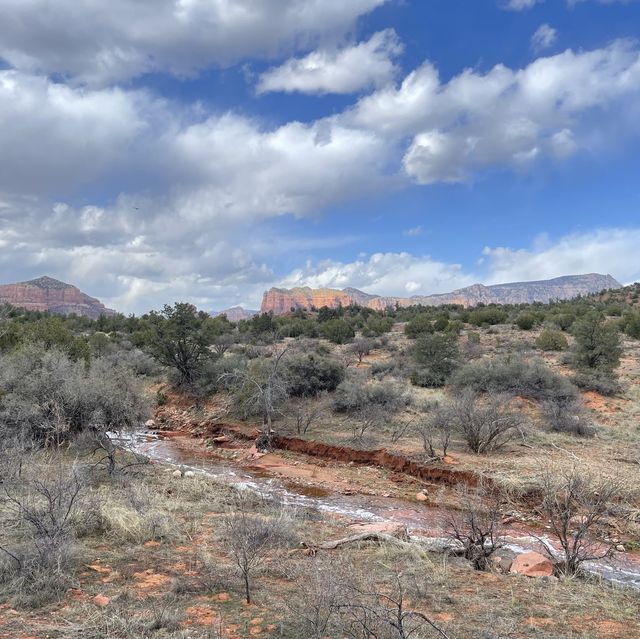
<point x="47" y="294"/>
<point x="235" y="313"/>
<point x="280" y="301"/>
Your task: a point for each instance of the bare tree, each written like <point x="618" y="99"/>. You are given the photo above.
<point x="362" y="347"/>
<point x="476" y="525"/>
<point x="375" y="611"/>
<point x="305" y="412"/>
<point x="436" y="431"/>
<point x="250" y="537"/>
<point x="576" y="503"/>
<point x="485" y="426"/>
<point x="261" y="388"/>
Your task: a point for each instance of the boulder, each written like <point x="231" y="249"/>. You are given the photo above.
<point x="177" y="473"/>
<point x="532" y="564"/>
<point x="421" y="496"/>
<point x="384" y="528"/>
<point x="150" y="423"/>
<point x="189" y="473"/>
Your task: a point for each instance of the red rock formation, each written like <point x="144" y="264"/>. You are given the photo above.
<point x="47" y="294"/>
<point x="280" y="301"/>
<point x="236" y="313"/>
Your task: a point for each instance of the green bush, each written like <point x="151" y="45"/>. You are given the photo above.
<point x="551" y="340"/>
<point x="436" y="356"/>
<point x="597" y="344"/>
<point x="337" y="331"/>
<point x="488" y="316"/>
<point x="599" y="381"/>
<point x="513" y="375"/>
<point x="525" y="321"/>
<point x="419" y="325"/>
<point x="310" y="374"/>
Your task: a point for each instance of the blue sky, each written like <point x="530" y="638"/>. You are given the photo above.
<point x="205" y="150"/>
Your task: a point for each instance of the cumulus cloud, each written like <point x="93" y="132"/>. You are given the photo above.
<point x="604" y="251"/>
<point x="543" y="38"/>
<point x="500" y="118"/>
<point x="612" y="251"/>
<point x="388" y="274"/>
<point x="347" y="70"/>
<point x="97" y="42"/>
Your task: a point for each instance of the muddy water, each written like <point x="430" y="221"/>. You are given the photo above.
<point x="420" y="520"/>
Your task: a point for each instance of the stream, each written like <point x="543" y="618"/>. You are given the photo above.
<point x="421" y="521"/>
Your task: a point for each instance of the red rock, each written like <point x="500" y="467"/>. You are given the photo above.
<point x="47" y="294"/>
<point x="101" y="600"/>
<point x="280" y="301"/>
<point x="384" y="528"/>
<point x="532" y="564"/>
<point x="421" y="496"/>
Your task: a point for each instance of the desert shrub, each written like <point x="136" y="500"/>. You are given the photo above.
<point x="486" y="426"/>
<point x="338" y="331"/>
<point x="567" y="417"/>
<point x="631" y="324"/>
<point x="362" y="347"/>
<point x="136" y="360"/>
<point x="597" y="344"/>
<point x="597" y="381"/>
<point x="436" y="356"/>
<point x="381" y="368"/>
<point x="514" y="375"/>
<point x="310" y="374"/>
<point x="488" y="316"/>
<point x="50" y="398"/>
<point x="525" y="321"/>
<point x="551" y="340"/>
<point x="441" y="323"/>
<point x="353" y="395"/>
<point x="377" y="326"/>
<point x="436" y="430"/>
<point x="39" y="506"/>
<point x="419" y="325"/>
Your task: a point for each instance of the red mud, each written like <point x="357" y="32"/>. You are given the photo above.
<point x="380" y="458"/>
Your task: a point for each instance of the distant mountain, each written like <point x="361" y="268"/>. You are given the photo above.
<point x="47" y="294"/>
<point x="236" y="313"/>
<point x="280" y="301"/>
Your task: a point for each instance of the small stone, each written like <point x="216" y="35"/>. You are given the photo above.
<point x="101" y="600"/>
<point x="621" y="548"/>
<point x="177" y="473"/>
<point x="421" y="496"/>
<point x="150" y="423"/>
<point x="189" y="473"/>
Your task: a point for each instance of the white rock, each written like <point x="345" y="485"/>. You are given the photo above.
<point x="189" y="473"/>
<point x="177" y="473"/>
<point x="620" y="548"/>
<point x="150" y="423"/>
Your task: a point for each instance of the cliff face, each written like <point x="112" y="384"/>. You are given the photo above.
<point x="47" y="294"/>
<point x="280" y="301"/>
<point x="236" y="313"/>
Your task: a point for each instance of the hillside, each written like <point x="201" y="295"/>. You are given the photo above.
<point x="53" y="296"/>
<point x="279" y="301"/>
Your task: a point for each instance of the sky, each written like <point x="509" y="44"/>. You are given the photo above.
<point x="154" y="151"/>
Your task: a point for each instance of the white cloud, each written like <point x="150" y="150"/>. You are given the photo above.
<point x="414" y="232"/>
<point x="99" y="42"/>
<point x="347" y="70"/>
<point x="544" y="37"/>
<point x="54" y="136"/>
<point x="387" y="274"/>
<point x="612" y="251"/>
<point x="521" y="5"/>
<point x="502" y="117"/>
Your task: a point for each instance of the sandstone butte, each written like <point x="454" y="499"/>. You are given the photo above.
<point x="53" y="296"/>
<point x="280" y="301"/>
